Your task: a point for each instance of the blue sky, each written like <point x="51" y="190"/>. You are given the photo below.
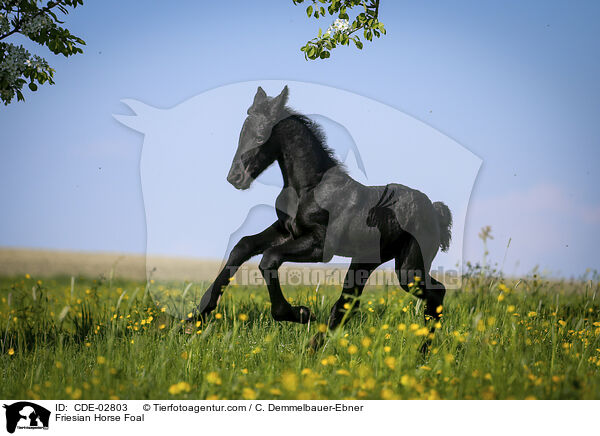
<point x="514" y="82"/>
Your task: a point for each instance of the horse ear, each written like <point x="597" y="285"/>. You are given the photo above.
<point x="260" y="96"/>
<point x="279" y="102"/>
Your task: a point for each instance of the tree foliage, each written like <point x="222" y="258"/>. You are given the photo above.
<point x="38" y="21"/>
<point x="342" y="31"/>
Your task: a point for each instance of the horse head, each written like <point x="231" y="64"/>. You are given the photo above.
<point x="255" y="152"/>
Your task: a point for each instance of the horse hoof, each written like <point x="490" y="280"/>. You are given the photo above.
<point x="299" y="314"/>
<point x="304" y="314"/>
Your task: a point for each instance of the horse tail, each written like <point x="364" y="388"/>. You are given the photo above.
<point x="444" y="217"/>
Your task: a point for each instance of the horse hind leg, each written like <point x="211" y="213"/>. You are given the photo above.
<point x="354" y="284"/>
<point x="415" y="279"/>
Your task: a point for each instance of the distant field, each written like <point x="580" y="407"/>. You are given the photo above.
<point x="46" y="263"/>
<point x="100" y="338"/>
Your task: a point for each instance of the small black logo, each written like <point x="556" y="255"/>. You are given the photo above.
<point x="26" y="415"/>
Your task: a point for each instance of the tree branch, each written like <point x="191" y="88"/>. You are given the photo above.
<point x="20" y="22"/>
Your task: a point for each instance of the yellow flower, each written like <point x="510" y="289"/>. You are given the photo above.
<point x="385" y="327"/>
<point x="439" y="309"/>
<point x="369" y="383"/>
<point x="243" y="317"/>
<point x="275" y="391"/>
<point x="248" y="394"/>
<point x="245" y="371"/>
<point x="407" y="380"/>
<point x="387" y="349"/>
<point x="423" y="331"/>
<point x="401" y="327"/>
<point x="532" y="314"/>
<point x="11" y="351"/>
<point x="344" y="342"/>
<point x="352" y="349"/>
<point x="184" y="355"/>
<point x="256" y="350"/>
<point x="510" y="308"/>
<point x="289" y="380"/>
<point x="27" y="276"/>
<point x="101" y="360"/>
<point x="329" y="360"/>
<point x="342" y="372"/>
<point x="213" y="378"/>
<point x="500" y="297"/>
<point x="218" y="316"/>
<point x="366" y="342"/>
<point x="390" y="362"/>
<point x="179" y="387"/>
<point x="322" y="328"/>
<point x="162" y="326"/>
<point x="387" y="394"/>
<point x="562" y="323"/>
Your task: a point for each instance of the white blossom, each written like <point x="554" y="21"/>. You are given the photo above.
<point x="339" y="25"/>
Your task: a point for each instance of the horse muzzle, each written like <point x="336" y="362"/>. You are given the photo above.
<point x="239" y="178"/>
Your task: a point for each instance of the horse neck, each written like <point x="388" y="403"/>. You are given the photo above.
<point x="302" y="157"/>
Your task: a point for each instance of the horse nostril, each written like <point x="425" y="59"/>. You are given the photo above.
<point x="235" y="178"/>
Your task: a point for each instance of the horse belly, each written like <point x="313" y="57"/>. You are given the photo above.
<point x="353" y="238"/>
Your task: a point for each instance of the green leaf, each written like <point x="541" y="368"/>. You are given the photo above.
<point x="309" y="11"/>
<point x="33" y="86"/>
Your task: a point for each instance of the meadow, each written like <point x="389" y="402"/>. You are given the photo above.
<point x="83" y="338"/>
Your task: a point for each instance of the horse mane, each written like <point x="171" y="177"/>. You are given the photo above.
<point x="319" y="134"/>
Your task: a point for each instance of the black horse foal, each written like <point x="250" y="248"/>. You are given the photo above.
<point x="322" y="212"/>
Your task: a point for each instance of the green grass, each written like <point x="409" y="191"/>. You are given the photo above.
<point x="108" y="339"/>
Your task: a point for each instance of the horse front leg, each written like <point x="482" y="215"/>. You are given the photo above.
<point x="308" y="248"/>
<point x="247" y="247"/>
